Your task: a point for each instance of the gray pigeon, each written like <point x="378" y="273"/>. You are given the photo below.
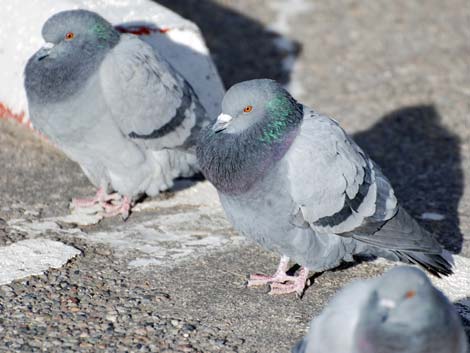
<point x="400" y="312"/>
<point x="113" y="105"/>
<point x="292" y="180"/>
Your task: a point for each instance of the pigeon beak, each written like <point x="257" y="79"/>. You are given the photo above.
<point x="221" y="123"/>
<point x="45" y="51"/>
<point x="387" y="303"/>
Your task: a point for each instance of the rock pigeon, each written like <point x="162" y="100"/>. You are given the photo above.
<point x="292" y="180"/>
<point x="175" y="38"/>
<point x="399" y="312"/>
<point x="115" y="106"/>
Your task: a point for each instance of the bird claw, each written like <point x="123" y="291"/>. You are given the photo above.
<point x="297" y="287"/>
<point x="84" y="203"/>
<point x="258" y="279"/>
<point x="101" y="198"/>
<point x="107" y="205"/>
<point x="281" y="283"/>
<point x="122" y="207"/>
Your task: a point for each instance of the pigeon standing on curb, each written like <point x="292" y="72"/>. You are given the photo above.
<point x="292" y="180"/>
<point x="399" y="312"/>
<point x="115" y="106"/>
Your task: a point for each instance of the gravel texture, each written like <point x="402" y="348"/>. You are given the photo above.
<point x="395" y="74"/>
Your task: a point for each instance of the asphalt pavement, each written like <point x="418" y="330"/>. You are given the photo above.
<point x="396" y="75"/>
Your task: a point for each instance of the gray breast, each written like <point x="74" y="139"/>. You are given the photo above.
<point x="265" y="214"/>
<point x="262" y="212"/>
<point x="71" y="120"/>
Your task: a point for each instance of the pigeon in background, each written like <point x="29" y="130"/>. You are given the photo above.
<point x="399" y="312"/>
<point x="115" y="106"/>
<point x="292" y="180"/>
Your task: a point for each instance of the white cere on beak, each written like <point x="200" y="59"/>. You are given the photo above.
<point x="387" y="303"/>
<point x="48" y="45"/>
<point x="221" y="123"/>
<point x="224" y="118"/>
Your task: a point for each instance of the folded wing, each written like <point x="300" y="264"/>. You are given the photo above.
<point x="338" y="189"/>
<point x="149" y="101"/>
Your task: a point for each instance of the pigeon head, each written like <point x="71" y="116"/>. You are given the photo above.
<point x="75" y="34"/>
<point x="403" y="290"/>
<point x="76" y="43"/>
<point x="403" y="303"/>
<point x="258" y="123"/>
<point x="261" y="104"/>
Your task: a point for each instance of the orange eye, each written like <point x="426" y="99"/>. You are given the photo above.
<point x="410" y="294"/>
<point x="248" y="109"/>
<point x="69" y="36"/>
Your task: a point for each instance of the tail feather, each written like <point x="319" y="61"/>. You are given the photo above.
<point x="435" y="264"/>
<point x="406" y="239"/>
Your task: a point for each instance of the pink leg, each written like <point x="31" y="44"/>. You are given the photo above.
<point x="122" y="207"/>
<point x="88" y="202"/>
<point x="297" y="284"/>
<point x="278" y="276"/>
<point x="100" y="198"/>
<point x="280" y="282"/>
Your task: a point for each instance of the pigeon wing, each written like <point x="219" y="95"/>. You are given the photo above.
<point x="338" y="189"/>
<point x="149" y="101"/>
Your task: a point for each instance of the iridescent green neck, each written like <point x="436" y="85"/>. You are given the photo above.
<point x="284" y="113"/>
<point x="106" y="35"/>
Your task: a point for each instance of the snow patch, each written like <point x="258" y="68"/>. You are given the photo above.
<point x="32" y="257"/>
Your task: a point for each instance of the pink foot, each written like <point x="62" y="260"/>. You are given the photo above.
<point x="260" y="279"/>
<point x="279" y="276"/>
<point x="119" y="207"/>
<point x="297" y="284"/>
<point x="100" y="198"/>
<point x="282" y="283"/>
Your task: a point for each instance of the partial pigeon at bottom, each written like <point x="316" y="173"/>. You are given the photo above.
<point x="399" y="312"/>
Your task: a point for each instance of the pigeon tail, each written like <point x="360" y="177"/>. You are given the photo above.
<point x="435" y="264"/>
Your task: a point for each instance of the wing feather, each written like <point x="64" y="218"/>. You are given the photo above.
<point x="149" y="101"/>
<point x="337" y="190"/>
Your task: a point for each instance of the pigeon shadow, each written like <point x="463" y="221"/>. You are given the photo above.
<point x="422" y="159"/>
<point x="241" y="47"/>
